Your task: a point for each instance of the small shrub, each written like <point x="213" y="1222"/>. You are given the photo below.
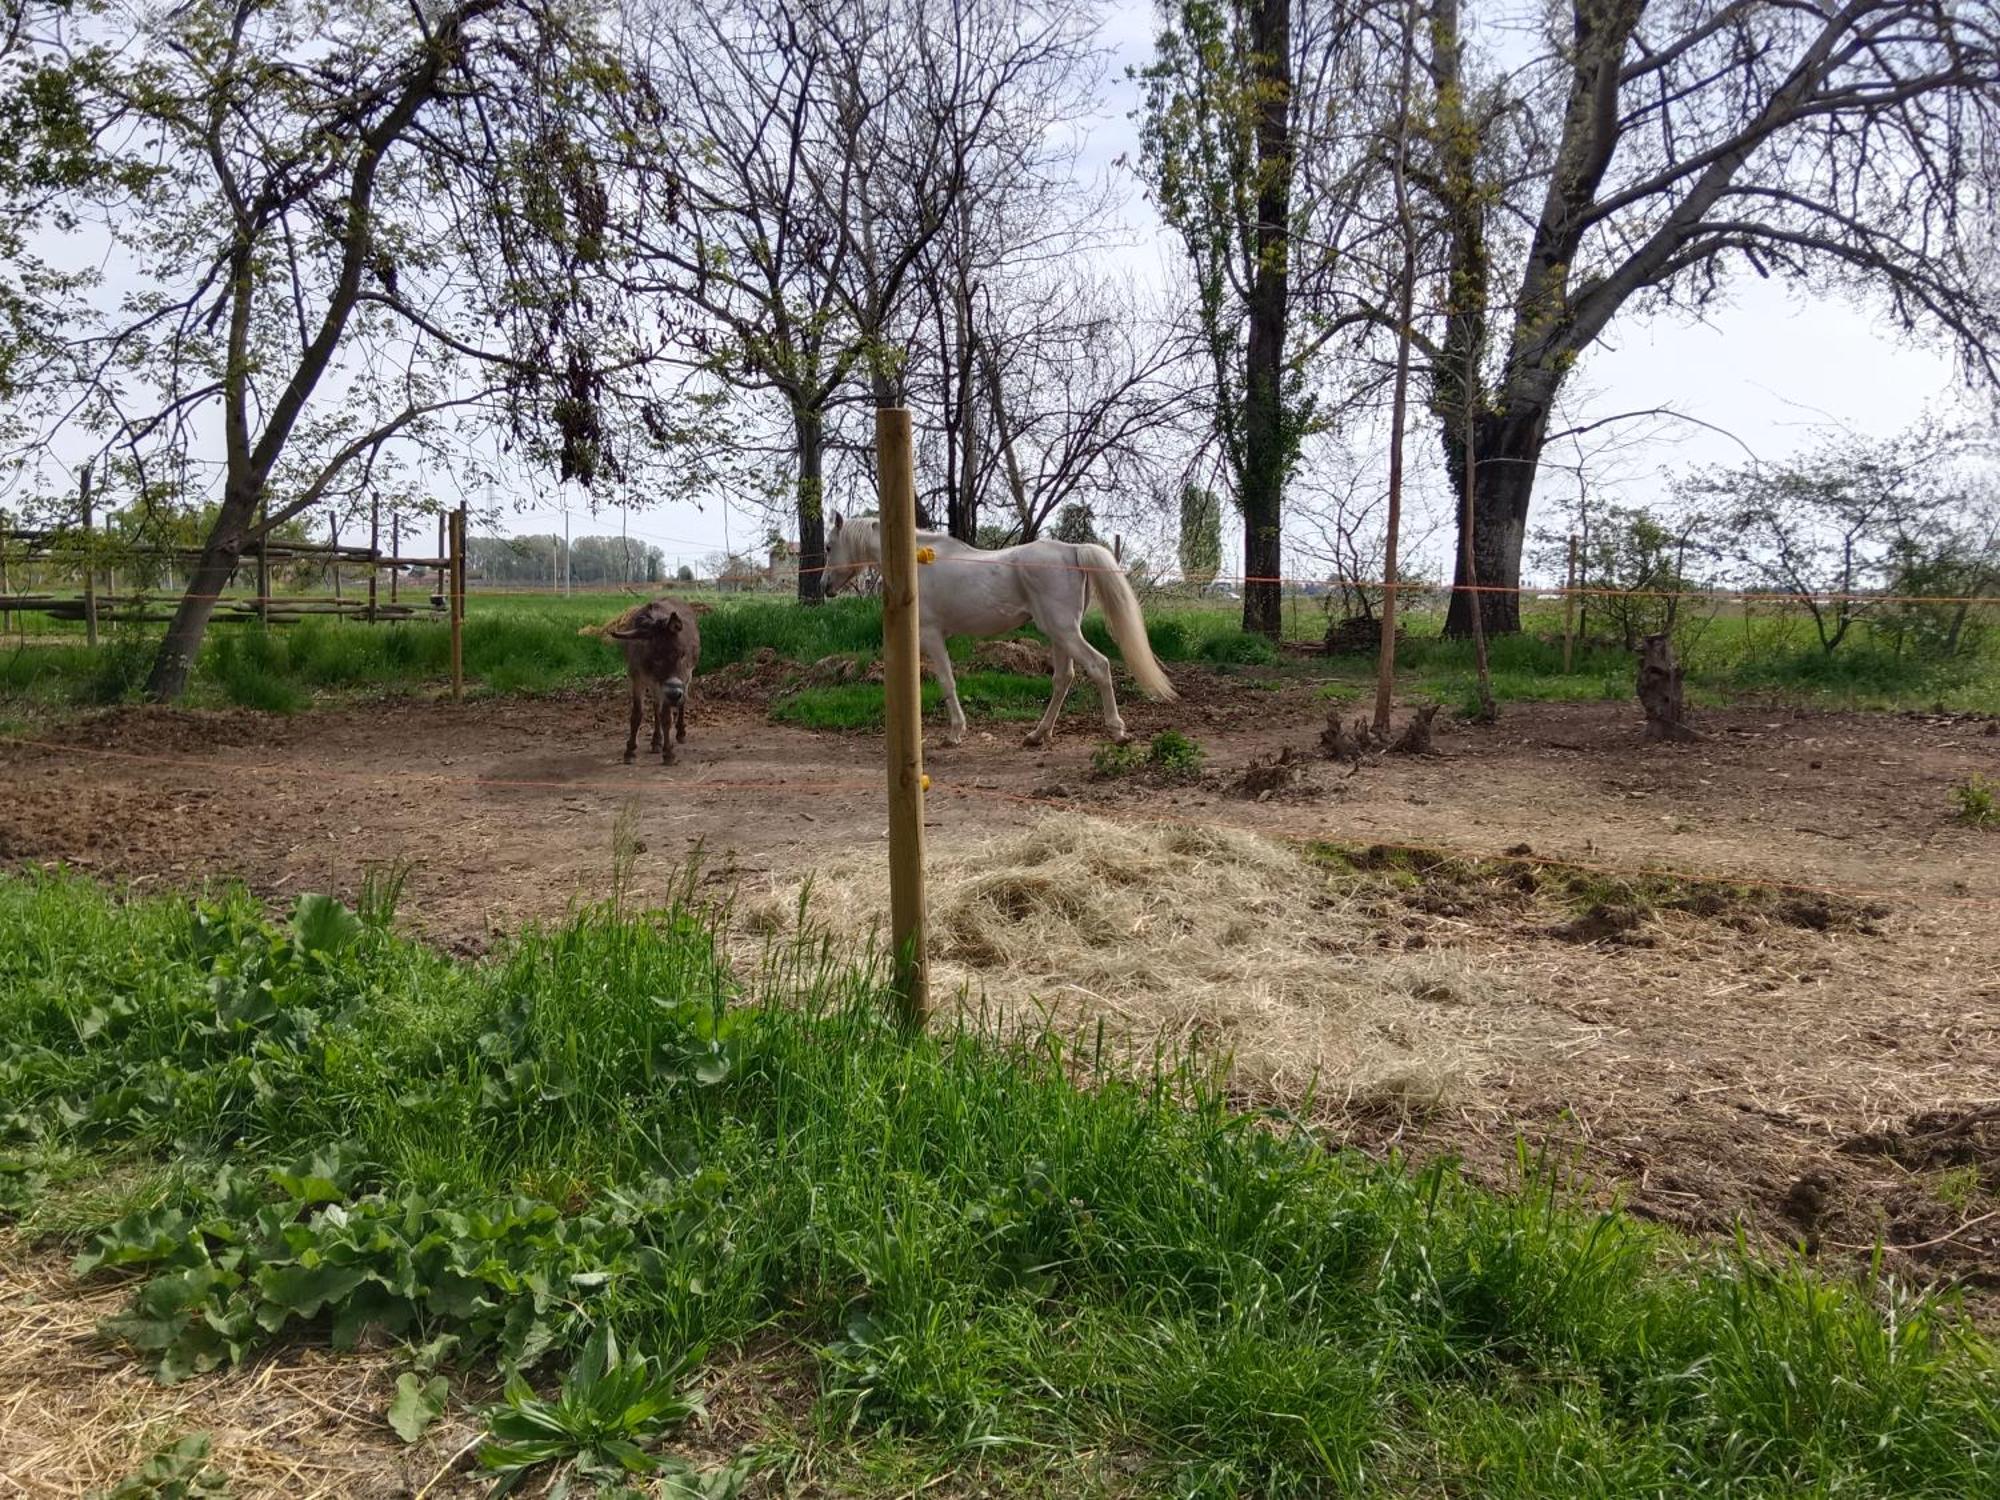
<point x="1112" y="761"/>
<point x="1172" y="756"/>
<point x="1978" y="802"/>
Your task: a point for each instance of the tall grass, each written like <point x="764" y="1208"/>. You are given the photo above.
<point x="320" y="1129"/>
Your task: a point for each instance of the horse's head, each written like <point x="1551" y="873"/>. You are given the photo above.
<point x="847" y="553"/>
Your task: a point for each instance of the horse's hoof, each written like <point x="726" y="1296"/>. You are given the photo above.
<point x="1032" y="742"/>
<point x="1122" y="737"/>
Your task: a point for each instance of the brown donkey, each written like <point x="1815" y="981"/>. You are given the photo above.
<point x="662" y="645"/>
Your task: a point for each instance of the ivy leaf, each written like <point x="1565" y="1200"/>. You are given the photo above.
<point x="416" y="1404"/>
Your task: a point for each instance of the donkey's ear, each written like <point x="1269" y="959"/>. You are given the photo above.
<point x="674" y="622"/>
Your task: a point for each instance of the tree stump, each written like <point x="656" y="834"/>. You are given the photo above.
<point x="1660" y="690"/>
<point x="1340" y="742"/>
<point x="1416" y="736"/>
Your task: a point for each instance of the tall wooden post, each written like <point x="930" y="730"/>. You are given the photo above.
<point x="264" y="564"/>
<point x="1569" y="608"/>
<point x="458" y="603"/>
<point x="395" y="553"/>
<point x="374" y="551"/>
<point x="1406" y="284"/>
<point x="89" y="564"/>
<point x="6" y="587"/>
<point x="902" y="689"/>
<point x="333" y="536"/>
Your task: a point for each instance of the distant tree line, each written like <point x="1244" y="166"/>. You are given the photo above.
<point x="538" y="559"/>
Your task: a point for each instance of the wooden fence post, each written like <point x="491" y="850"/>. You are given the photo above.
<point x="264" y="566"/>
<point x="89" y="565"/>
<point x="902" y="690"/>
<point x="1569" y="608"/>
<point x="457" y="602"/>
<point x="333" y="536"/>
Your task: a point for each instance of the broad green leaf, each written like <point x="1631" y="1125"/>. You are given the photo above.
<point x="416" y="1404"/>
<point x="322" y="925"/>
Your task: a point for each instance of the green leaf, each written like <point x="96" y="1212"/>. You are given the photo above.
<point x="179" y="1471"/>
<point x="322" y="925"/>
<point x="416" y="1404"/>
<point x="711" y="1069"/>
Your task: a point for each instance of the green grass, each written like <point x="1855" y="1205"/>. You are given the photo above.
<point x="313" y="1130"/>
<point x="529" y="644"/>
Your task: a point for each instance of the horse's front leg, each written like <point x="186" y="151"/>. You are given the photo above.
<point x="940" y="660"/>
<point x="1059" y="682"/>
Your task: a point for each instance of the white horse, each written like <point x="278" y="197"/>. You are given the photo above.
<point x="967" y="591"/>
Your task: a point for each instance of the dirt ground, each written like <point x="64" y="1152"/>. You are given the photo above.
<point x="1825" y="1067"/>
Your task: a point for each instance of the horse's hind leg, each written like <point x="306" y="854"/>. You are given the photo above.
<point x="1097" y="667"/>
<point x="940" y="660"/>
<point x="1059" y="681"/>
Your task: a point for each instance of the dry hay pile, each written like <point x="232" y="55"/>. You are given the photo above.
<point x="1176" y="936"/>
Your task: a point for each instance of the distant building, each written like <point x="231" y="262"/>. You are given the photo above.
<point x="781" y="573"/>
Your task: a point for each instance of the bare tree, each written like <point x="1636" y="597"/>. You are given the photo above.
<point x="319" y="185"/>
<point x="824" y="146"/>
<point x="1087" y="397"/>
<point x="1653" y="149"/>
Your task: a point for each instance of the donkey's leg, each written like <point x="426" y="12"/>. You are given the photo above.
<point x="1097" y="667"/>
<point x="663" y="716"/>
<point x="1060" y="679"/>
<point x="659" y="729"/>
<point x="638" y="717"/>
<point x="939" y="657"/>
<point x="681" y="719"/>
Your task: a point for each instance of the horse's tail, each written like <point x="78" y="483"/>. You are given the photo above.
<point x="1121" y="612"/>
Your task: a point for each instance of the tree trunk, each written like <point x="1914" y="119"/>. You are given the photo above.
<point x="1506" y="452"/>
<point x="1266" y="443"/>
<point x="963" y="521"/>
<point x="174" y="662"/>
<point x="809" y="430"/>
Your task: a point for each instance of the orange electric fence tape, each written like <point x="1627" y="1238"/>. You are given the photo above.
<point x="873" y="784"/>
<point x="1551" y="592"/>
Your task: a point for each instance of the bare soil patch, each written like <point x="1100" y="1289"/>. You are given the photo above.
<point x="1709" y="974"/>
